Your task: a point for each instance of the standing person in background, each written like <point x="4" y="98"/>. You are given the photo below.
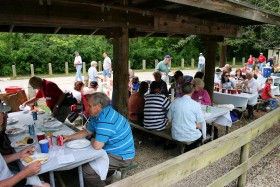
<point x="251" y="61"/>
<point x="107" y="66"/>
<point x="163" y="67"/>
<point x="201" y="62"/>
<point x="92" y="72"/>
<point x="78" y="64"/>
<point x="271" y="63"/>
<point x="261" y="61"/>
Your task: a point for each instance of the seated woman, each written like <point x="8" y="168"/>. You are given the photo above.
<point x="77" y="93"/>
<point x="238" y="74"/>
<point x="157" y="77"/>
<point x="267" y="95"/>
<point x="226" y="82"/>
<point x="200" y="94"/>
<point x="257" y="71"/>
<point x="240" y="82"/>
<point x="136" y="104"/>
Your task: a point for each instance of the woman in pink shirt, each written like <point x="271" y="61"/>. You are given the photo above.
<point x="200" y="94"/>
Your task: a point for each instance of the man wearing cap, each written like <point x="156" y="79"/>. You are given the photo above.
<point x="78" y="64"/>
<point x="217" y="76"/>
<point x="163" y="66"/>
<point x="7" y="178"/>
<point x="261" y="61"/>
<point x="201" y="62"/>
<point x="107" y="66"/>
<point x="92" y="72"/>
<point x="53" y="95"/>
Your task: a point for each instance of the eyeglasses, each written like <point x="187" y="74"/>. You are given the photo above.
<point x="226" y="75"/>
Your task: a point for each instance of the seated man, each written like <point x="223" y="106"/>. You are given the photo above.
<point x="112" y="133"/>
<point x="7" y="178"/>
<point x="186" y="117"/>
<point x="155" y="108"/>
<point x="53" y="94"/>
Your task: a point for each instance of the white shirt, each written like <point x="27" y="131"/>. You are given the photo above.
<point x="185" y="113"/>
<point x="92" y="74"/>
<point x="217" y="78"/>
<point x="5" y="173"/>
<point x="107" y="63"/>
<point x="78" y="60"/>
<point x="201" y="60"/>
<point x="77" y="95"/>
<point x="253" y="86"/>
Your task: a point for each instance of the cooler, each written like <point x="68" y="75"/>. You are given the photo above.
<point x="266" y="72"/>
<point x="13" y="89"/>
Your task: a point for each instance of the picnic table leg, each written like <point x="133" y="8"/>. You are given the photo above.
<point x="226" y="129"/>
<point x="51" y="175"/>
<point x="81" y="179"/>
<point x="212" y="131"/>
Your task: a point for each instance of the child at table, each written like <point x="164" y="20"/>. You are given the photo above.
<point x="266" y="95"/>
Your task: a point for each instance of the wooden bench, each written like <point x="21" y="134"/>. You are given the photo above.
<point x="164" y="134"/>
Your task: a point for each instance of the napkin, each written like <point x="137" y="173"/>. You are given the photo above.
<point x="101" y="166"/>
<point x="65" y="159"/>
<point x="228" y="106"/>
<point x="34" y="180"/>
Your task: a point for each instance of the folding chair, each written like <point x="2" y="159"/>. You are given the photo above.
<point x="85" y="113"/>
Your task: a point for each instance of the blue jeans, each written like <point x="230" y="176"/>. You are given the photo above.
<point x="250" y="66"/>
<point x="200" y="66"/>
<point x="106" y="73"/>
<point x="260" y="66"/>
<point x="274" y="103"/>
<point x="79" y="73"/>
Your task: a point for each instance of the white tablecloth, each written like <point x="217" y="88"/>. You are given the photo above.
<point x="220" y="116"/>
<point x="238" y="100"/>
<point x="81" y="156"/>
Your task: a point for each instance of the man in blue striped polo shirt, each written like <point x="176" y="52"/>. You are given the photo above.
<point x="112" y="133"/>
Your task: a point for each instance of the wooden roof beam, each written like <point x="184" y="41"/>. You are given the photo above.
<point x="234" y="8"/>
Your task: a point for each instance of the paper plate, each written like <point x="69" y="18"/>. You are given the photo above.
<point x="40" y="111"/>
<point x="11" y="121"/>
<point x="14" y="130"/>
<point x="42" y="157"/>
<point x="78" y="144"/>
<point x="63" y="132"/>
<point x="19" y="144"/>
<point x="53" y="125"/>
<point x="48" y="119"/>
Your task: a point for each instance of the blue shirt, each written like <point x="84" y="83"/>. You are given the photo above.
<point x="114" y="131"/>
<point x="185" y="113"/>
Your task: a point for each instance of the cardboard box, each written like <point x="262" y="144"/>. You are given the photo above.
<point x="14" y="100"/>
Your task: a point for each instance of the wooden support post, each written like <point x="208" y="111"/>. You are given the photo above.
<point x="243" y="61"/>
<point x="50" y="68"/>
<point x="120" y="65"/>
<point x="129" y="64"/>
<point x="84" y="68"/>
<point x="86" y="80"/>
<point x="244" y="155"/>
<point x="223" y="56"/>
<point x="233" y="62"/>
<point x="14" y="71"/>
<point x="192" y="63"/>
<point x="66" y="68"/>
<point x="99" y="66"/>
<point x="144" y="64"/>
<point x="182" y="63"/>
<point x="156" y="63"/>
<point x="32" y="70"/>
<point x="211" y="43"/>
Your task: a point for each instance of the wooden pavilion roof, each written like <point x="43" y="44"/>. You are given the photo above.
<point x="163" y="18"/>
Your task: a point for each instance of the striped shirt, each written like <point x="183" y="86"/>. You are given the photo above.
<point x="155" y="109"/>
<point x="114" y="131"/>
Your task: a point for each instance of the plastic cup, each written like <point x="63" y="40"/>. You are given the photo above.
<point x="217" y="89"/>
<point x="40" y="136"/>
<point x="239" y="91"/>
<point x="44" y="145"/>
<point x="224" y="90"/>
<point x="228" y="91"/>
<point x="233" y="91"/>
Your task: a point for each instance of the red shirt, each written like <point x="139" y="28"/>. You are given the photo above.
<point x="262" y="59"/>
<point x="50" y="91"/>
<point x="250" y="61"/>
<point x="135" y="106"/>
<point x="266" y="89"/>
<point x="244" y="70"/>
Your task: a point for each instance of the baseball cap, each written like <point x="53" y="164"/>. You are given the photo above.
<point x="167" y="56"/>
<point x="93" y="63"/>
<point x="218" y="70"/>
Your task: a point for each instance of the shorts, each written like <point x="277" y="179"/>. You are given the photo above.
<point x="106" y="73"/>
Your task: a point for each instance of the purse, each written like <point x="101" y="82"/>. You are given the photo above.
<point x="72" y="116"/>
<point x="69" y="100"/>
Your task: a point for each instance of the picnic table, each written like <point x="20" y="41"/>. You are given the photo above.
<point x="56" y="153"/>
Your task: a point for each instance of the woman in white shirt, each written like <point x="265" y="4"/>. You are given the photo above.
<point x="77" y="93"/>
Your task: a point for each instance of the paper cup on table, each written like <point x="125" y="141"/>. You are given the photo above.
<point x="40" y="136"/>
<point x="44" y="145"/>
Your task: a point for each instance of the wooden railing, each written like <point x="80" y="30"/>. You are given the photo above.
<point x="178" y="168"/>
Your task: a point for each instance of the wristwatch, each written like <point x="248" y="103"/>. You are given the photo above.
<point x="56" y="106"/>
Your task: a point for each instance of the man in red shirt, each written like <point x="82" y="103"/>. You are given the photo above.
<point x="53" y="94"/>
<point x="251" y="62"/>
<point x="261" y="61"/>
<point x="266" y="95"/>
